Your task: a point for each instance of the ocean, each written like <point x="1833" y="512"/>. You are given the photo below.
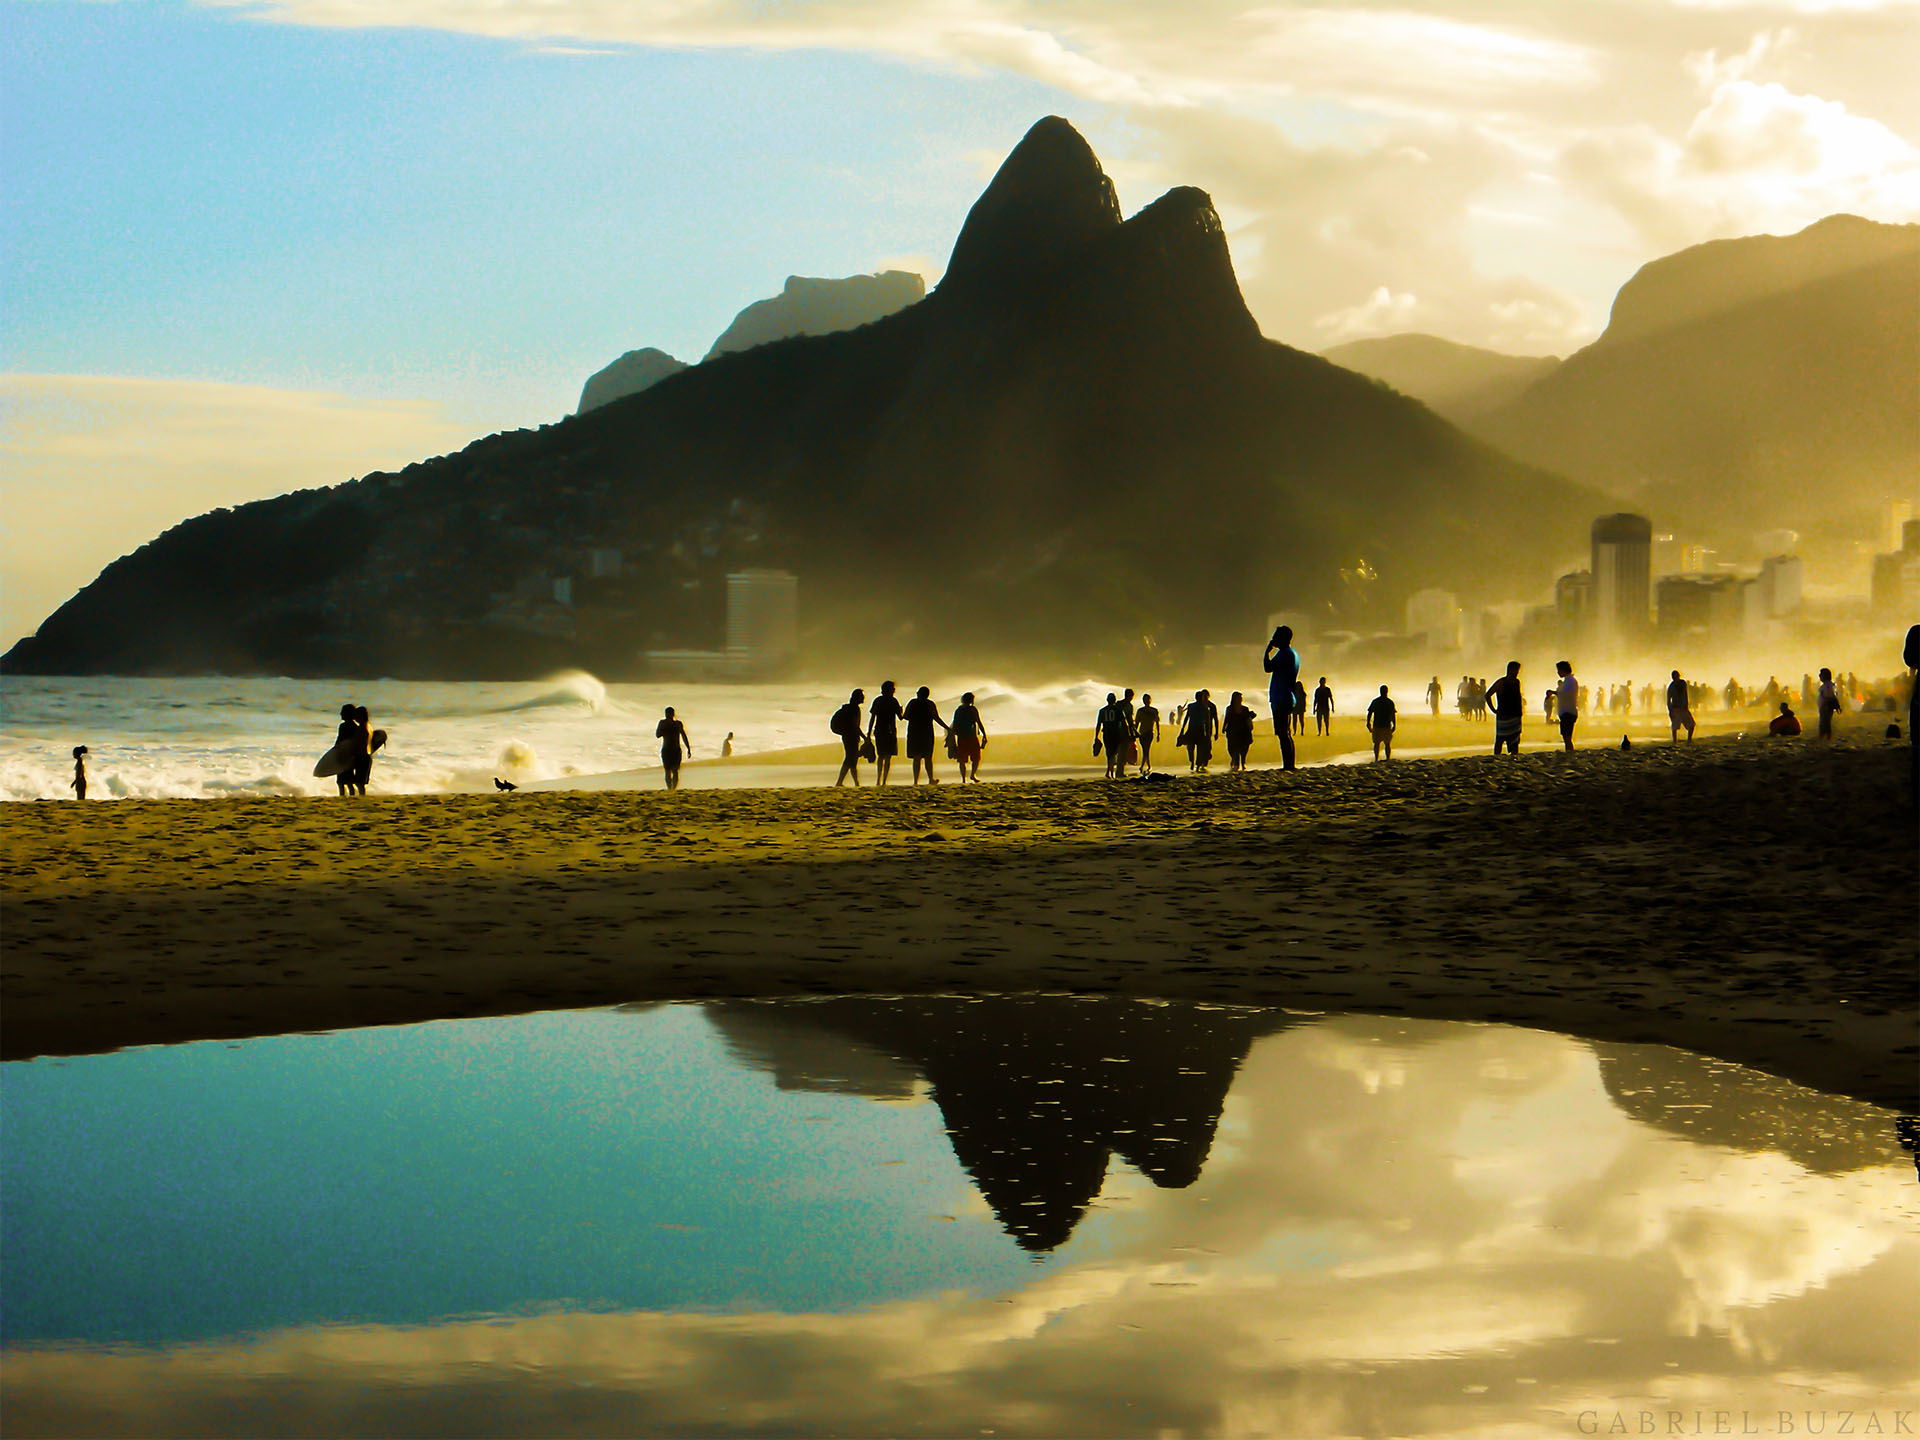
<point x="221" y="736"/>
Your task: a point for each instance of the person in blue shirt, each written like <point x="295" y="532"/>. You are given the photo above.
<point x="1282" y="662"/>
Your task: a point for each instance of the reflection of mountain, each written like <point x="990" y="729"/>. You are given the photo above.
<point x="1715" y="1102"/>
<point x="1038" y="1091"/>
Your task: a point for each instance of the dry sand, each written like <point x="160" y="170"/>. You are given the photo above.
<point x="1751" y="900"/>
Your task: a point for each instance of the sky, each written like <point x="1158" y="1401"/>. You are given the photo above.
<point x="253" y="245"/>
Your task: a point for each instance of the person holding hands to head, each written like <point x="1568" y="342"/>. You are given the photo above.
<point x="1282" y="662"/>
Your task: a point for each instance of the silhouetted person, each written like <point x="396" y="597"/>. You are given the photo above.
<point x="726" y="747"/>
<point x="1201" y="725"/>
<point x="1509" y="708"/>
<point x="1911" y="655"/>
<point x="79" y="782"/>
<point x="1566" y="699"/>
<point x="674" y="743"/>
<point x="1785" y="723"/>
<point x="922" y="715"/>
<point x="1679" y="712"/>
<point x="1111" y="732"/>
<point x="363" y="760"/>
<point x="1829" y="702"/>
<point x="1282" y="662"/>
<point x="969" y="733"/>
<point x="1434" y="693"/>
<point x="1381" y="723"/>
<point x="1323" y="708"/>
<point x="883" y="729"/>
<point x="846" y="723"/>
<point x="1237" y="728"/>
<point x="1146" y="729"/>
<point x="1547" y="704"/>
<point x="345" y="741"/>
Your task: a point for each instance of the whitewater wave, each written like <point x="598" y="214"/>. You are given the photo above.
<point x="569" y="689"/>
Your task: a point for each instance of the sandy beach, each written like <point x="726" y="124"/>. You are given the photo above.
<point x="1750" y="900"/>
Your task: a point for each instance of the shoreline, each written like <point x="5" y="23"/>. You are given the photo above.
<point x="1750" y="901"/>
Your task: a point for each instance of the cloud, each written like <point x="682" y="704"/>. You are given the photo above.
<point x="96" y="465"/>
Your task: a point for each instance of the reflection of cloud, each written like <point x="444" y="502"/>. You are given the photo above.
<point x="1412" y="1220"/>
<point x="104" y="463"/>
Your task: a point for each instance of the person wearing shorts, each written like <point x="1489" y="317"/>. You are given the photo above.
<point x="1146" y="729"/>
<point x="1566" y="697"/>
<point x="1382" y="721"/>
<point x="1282" y="662"/>
<point x="921" y="716"/>
<point x="883" y="729"/>
<point x="1509" y="707"/>
<point x="1679" y="710"/>
<point x="969" y="738"/>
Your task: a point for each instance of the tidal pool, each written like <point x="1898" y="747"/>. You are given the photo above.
<point x="902" y="1216"/>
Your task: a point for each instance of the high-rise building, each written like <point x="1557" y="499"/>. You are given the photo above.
<point x="1780" y="585"/>
<point x="1435" y="616"/>
<point x="763" y="616"/>
<point x="1622" y="576"/>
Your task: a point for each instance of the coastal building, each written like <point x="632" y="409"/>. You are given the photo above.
<point x="1622" y="595"/>
<point x="1781" y="585"/>
<point x="763" y="616"/>
<point x="1696" y="609"/>
<point x="1895" y="593"/>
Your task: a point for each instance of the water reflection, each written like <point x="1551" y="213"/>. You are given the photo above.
<point x="1039" y="1093"/>
<point x="1272" y="1224"/>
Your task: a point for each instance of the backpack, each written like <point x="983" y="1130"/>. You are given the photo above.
<point x="846" y="720"/>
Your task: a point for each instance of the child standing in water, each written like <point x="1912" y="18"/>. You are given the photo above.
<point x="79" y="783"/>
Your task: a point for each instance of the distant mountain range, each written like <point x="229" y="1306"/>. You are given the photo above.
<point x="1461" y="382"/>
<point x="1079" y="446"/>
<point x="804" y="306"/>
<point x="1744" y="384"/>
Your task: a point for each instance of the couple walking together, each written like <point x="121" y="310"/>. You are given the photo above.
<point x="879" y="740"/>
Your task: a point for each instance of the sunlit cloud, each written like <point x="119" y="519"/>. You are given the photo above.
<point x="100" y="464"/>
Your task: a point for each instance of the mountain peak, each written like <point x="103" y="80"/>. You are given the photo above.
<point x="1049" y="197"/>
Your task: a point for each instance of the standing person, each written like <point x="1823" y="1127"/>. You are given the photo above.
<point x="1546" y="705"/>
<point x="672" y="736"/>
<point x="1381" y="723"/>
<point x="1131" y="755"/>
<point x="346" y="741"/>
<point x="1829" y="698"/>
<point x="79" y="782"/>
<point x="1323" y="708"/>
<point x="726" y="747"/>
<point x="1679" y="711"/>
<point x="922" y="715"/>
<point x="1197" y="732"/>
<point x="1509" y="706"/>
<point x="1282" y="662"/>
<point x="1566" y="696"/>
<point x="1299" y="707"/>
<point x="846" y="724"/>
<point x="363" y="762"/>
<point x="1911" y="654"/>
<point x="883" y="729"/>
<point x="1237" y="726"/>
<point x="1433" y="695"/>
<point x="969" y="739"/>
<point x="1146" y="728"/>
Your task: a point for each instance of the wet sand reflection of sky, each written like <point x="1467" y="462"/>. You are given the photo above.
<point x="1036" y="1215"/>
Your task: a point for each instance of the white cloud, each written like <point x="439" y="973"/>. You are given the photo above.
<point x="98" y="465"/>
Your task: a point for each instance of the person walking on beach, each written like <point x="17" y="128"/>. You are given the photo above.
<point x="1433" y="695"/>
<point x="883" y="730"/>
<point x="1381" y="723"/>
<point x="1323" y="708"/>
<point x="1131" y="755"/>
<point x="1282" y="662"/>
<point x="1566" y="699"/>
<point x="674" y="743"/>
<point x="1509" y="705"/>
<point x="1828" y="697"/>
<point x="1679" y="711"/>
<point x="1146" y="729"/>
<point x="969" y="733"/>
<point x="846" y="724"/>
<point x="726" y="747"/>
<point x="1237" y="727"/>
<point x="921" y="716"/>
<point x="79" y="782"/>
<point x="1201" y="725"/>
<point x="1110" y="736"/>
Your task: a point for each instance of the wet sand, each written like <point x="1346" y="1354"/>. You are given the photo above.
<point x="1751" y="900"/>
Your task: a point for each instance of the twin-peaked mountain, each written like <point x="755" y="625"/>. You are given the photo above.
<point x="1079" y="444"/>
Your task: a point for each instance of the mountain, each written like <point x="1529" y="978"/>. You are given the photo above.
<point x="808" y="306"/>
<point x="1768" y="381"/>
<point x="1461" y="382"/>
<point x="633" y="372"/>
<point x="1079" y="446"/>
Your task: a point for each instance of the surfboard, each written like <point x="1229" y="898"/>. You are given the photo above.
<point x="331" y="763"/>
<point x="376" y="741"/>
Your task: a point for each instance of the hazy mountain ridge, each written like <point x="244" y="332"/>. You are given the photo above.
<point x="811" y="306"/>
<point x="633" y="372"/>
<point x="1078" y="444"/>
<point x="1461" y="382"/>
<point x="1774" y="395"/>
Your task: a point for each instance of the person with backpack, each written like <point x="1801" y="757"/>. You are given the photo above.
<point x="848" y="723"/>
